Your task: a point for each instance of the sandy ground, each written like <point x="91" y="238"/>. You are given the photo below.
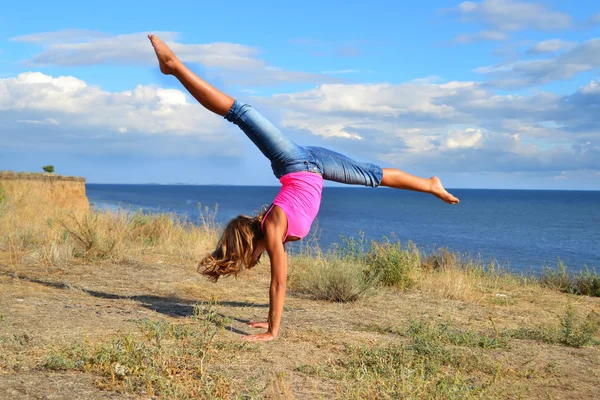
<point x="42" y="308"/>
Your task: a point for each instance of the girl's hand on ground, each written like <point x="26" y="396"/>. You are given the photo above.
<point x="261" y="337"/>
<point x="259" y="325"/>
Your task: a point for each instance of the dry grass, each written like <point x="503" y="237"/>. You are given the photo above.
<point x="46" y="191"/>
<point x="109" y="298"/>
<point x="332" y="278"/>
<point x="163" y="359"/>
<point x="454" y="285"/>
<point x="428" y="360"/>
<point x="57" y="239"/>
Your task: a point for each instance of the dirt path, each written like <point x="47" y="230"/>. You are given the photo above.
<point x="45" y="309"/>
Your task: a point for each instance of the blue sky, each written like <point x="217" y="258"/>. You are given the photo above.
<point x="492" y="94"/>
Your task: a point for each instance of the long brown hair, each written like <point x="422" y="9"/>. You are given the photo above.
<point x="235" y="248"/>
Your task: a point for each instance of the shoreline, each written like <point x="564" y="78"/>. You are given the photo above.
<point x="526" y="271"/>
<point x="330" y="185"/>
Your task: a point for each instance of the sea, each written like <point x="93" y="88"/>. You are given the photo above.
<point x="524" y="231"/>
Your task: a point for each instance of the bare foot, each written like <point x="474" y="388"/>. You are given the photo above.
<point x="166" y="58"/>
<point x="438" y="190"/>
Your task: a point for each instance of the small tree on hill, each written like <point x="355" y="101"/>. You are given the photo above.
<point x="48" y="168"/>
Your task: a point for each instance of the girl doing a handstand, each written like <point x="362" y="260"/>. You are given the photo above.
<point x="301" y="171"/>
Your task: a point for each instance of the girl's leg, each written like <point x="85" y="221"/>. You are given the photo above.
<point x="269" y="140"/>
<point x="207" y="95"/>
<point x="276" y="147"/>
<point x="397" y="179"/>
<point x="340" y="168"/>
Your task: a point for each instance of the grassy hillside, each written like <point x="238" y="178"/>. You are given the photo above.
<point x="110" y="304"/>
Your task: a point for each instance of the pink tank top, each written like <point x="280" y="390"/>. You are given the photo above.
<point x="300" y="199"/>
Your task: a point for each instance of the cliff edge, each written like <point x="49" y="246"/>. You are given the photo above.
<point x="55" y="191"/>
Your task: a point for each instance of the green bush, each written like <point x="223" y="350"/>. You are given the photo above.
<point x="48" y="168"/>
<point x="395" y="265"/>
<point x="558" y="279"/>
<point x="576" y="333"/>
<point x="351" y="248"/>
<point x="332" y="279"/>
<point x="443" y="259"/>
<point x="586" y="283"/>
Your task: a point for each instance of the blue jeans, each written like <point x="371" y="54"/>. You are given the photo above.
<point x="287" y="157"/>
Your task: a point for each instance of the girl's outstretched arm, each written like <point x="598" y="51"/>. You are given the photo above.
<point x="277" y="289"/>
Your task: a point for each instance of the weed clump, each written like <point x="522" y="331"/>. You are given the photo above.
<point x="163" y="359"/>
<point x="396" y="265"/>
<point x="586" y="282"/>
<point x="571" y="330"/>
<point x="331" y="279"/>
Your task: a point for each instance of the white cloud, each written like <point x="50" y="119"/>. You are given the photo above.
<point x="483" y="35"/>
<point x="463" y="139"/>
<point x="499" y="17"/>
<point x="427" y="79"/>
<point x="591" y="88"/>
<point x="453" y="126"/>
<point x="236" y="61"/>
<point x="450" y="126"/>
<point x="467" y="7"/>
<point x="595" y="19"/>
<point x="146" y="110"/>
<point x="377" y="99"/>
<point x="580" y="58"/>
<point x="342" y="71"/>
<point x="561" y="176"/>
<point x="513" y="15"/>
<point x="76" y="47"/>
<point x="42" y="112"/>
<point x="550" y="46"/>
<point x="47" y="121"/>
<point x="63" y="36"/>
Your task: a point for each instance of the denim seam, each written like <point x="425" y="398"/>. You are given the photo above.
<point x="313" y="161"/>
<point x="231" y="112"/>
